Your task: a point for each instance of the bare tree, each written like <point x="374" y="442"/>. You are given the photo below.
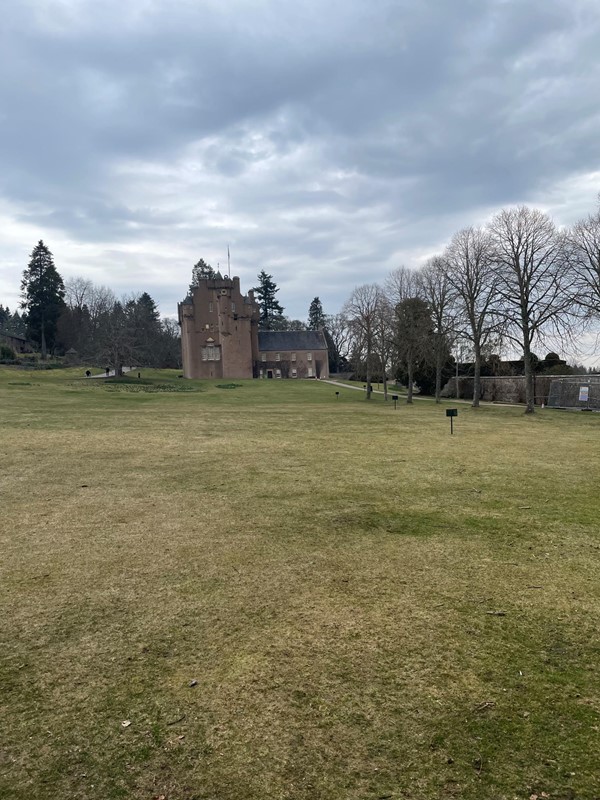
<point x="413" y="340"/>
<point x="436" y="289"/>
<point x="361" y="310"/>
<point x="100" y="300"/>
<point x="584" y="256"/>
<point x="401" y="284"/>
<point x="471" y="274"/>
<point x="383" y="335"/>
<point x="532" y="281"/>
<point x="77" y="292"/>
<point x="341" y="333"/>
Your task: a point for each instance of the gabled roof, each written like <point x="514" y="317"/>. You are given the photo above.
<point x="291" y="340"/>
<point x="12" y="335"/>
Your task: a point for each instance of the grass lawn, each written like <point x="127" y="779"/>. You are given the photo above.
<point x="368" y="607"/>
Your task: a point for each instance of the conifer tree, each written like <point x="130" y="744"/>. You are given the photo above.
<point x="200" y="271"/>
<point x="271" y="311"/>
<point x="43" y="294"/>
<point x="316" y="317"/>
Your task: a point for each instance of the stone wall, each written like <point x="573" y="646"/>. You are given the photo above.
<point x="565" y="392"/>
<point x="504" y="388"/>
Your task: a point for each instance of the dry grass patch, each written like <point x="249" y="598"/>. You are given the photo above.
<point x="322" y="568"/>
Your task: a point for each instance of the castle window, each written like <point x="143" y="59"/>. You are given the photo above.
<point x="233" y="308"/>
<point x="261" y="373"/>
<point x="293" y="356"/>
<point x="309" y="356"/>
<point x="278" y="373"/>
<point x="264" y="356"/>
<point x="277" y="356"/>
<point x="310" y="372"/>
<point x="210" y="307"/>
<point x="211" y="353"/>
<point x="294" y="373"/>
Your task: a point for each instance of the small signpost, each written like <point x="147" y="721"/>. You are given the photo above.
<point x="452" y="412"/>
<point x="395" y="399"/>
<point x="337" y="395"/>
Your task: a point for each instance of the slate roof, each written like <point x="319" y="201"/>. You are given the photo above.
<point x="12" y="335"/>
<point x="281" y="341"/>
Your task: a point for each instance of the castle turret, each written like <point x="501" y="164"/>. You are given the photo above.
<point x="219" y="330"/>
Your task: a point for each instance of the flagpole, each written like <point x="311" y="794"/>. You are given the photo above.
<point x="228" y="263"/>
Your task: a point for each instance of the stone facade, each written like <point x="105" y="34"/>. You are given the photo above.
<point x="220" y="338"/>
<point x="292" y="354"/>
<point x="219" y="330"/>
<point x="16" y="343"/>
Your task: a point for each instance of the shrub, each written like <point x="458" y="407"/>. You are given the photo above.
<point x="7" y="353"/>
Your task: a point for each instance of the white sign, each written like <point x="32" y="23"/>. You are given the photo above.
<point x="584" y="394"/>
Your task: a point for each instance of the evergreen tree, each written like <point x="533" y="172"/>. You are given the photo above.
<point x="271" y="311"/>
<point x="43" y="294"/>
<point x="316" y="317"/>
<point x="4" y="317"/>
<point x="146" y="330"/>
<point x="200" y="271"/>
<point x="17" y="324"/>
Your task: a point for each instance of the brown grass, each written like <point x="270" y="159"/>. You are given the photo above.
<point x="323" y="569"/>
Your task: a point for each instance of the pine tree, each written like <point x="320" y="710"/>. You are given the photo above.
<point x="316" y="317"/>
<point x="17" y="324"/>
<point x="271" y="311"/>
<point x="200" y="271"/>
<point x="43" y="294"/>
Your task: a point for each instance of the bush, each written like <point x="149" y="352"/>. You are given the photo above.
<point x="7" y="353"/>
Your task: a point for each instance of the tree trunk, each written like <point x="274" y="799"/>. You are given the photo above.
<point x="369" y="387"/>
<point x="456" y="379"/>
<point x="43" y="339"/>
<point x="477" y="377"/>
<point x="529" y="392"/>
<point x="409" y="396"/>
<point x="385" y="388"/>
<point x="438" y="373"/>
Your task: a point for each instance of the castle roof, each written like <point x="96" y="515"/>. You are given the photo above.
<point x="291" y="340"/>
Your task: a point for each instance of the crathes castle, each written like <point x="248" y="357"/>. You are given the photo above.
<point x="220" y="338"/>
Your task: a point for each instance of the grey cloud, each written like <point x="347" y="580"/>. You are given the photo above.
<point x="319" y="139"/>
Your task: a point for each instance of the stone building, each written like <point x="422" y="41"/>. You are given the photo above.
<point x="292" y="354"/>
<point x="219" y="330"/>
<point x="19" y="344"/>
<point x="220" y="338"/>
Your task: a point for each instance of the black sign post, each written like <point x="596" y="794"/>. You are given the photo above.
<point x="395" y="399"/>
<point x="451" y="412"/>
<point x="337" y="394"/>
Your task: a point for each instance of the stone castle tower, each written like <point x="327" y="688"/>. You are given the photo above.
<point x="219" y="330"/>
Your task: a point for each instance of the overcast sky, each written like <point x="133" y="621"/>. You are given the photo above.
<point x="326" y="142"/>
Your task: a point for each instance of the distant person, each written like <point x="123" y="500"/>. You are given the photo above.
<point x="87" y="373"/>
<point x="107" y="371"/>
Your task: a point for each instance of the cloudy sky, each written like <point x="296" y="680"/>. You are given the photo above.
<point x="326" y="142"/>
